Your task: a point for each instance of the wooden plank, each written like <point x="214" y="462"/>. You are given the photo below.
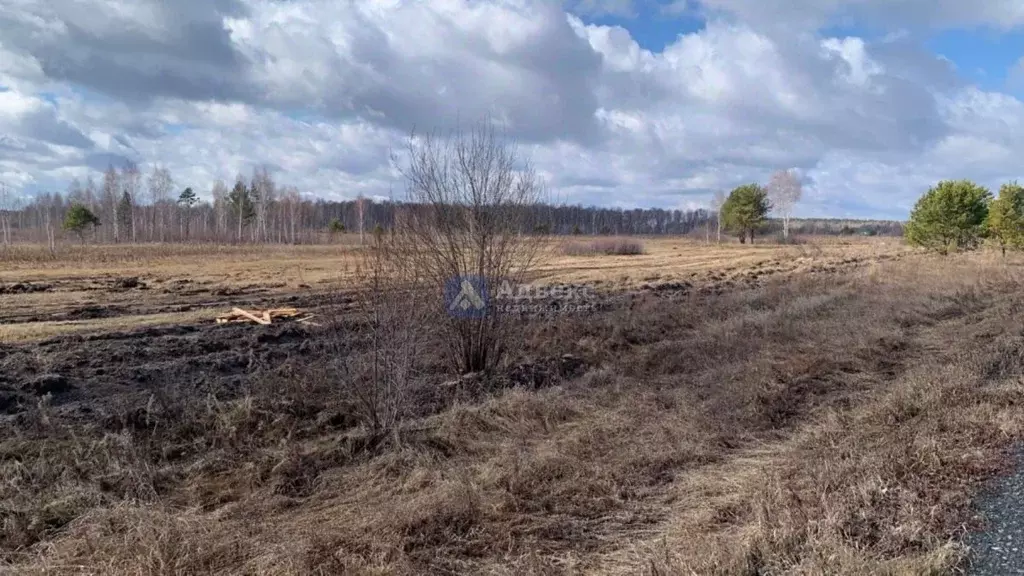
<point x="263" y="317"/>
<point x="250" y="316"/>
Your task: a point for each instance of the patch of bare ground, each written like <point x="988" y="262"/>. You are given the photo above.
<point x="806" y="423"/>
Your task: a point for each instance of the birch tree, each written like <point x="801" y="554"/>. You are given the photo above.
<point x="221" y="208"/>
<point x="160" y="185"/>
<point x="293" y="203"/>
<point x="111" y="200"/>
<point x="89" y="193"/>
<point x="75" y="191"/>
<point x="717" y="202"/>
<point x="7" y="208"/>
<point x="241" y="204"/>
<point x="131" y="182"/>
<point x="261" y="193"/>
<point x="784" y="191"/>
<point x="361" y="210"/>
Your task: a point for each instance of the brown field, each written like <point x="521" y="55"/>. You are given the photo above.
<point x="83" y="288"/>
<point x="827" y="407"/>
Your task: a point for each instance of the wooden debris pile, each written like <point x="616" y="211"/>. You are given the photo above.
<point x="264" y="317"/>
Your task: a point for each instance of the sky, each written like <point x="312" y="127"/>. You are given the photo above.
<point x="620" y="103"/>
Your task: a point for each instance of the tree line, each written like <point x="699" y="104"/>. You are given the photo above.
<point x="127" y="206"/>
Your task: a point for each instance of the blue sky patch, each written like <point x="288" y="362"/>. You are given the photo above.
<point x="984" y="57"/>
<point x="654" y="26"/>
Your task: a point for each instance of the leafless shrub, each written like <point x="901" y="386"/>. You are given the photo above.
<point x="467" y="221"/>
<point x="605" y="246"/>
<point x="377" y="368"/>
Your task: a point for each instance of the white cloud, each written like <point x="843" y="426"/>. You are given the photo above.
<point x="1001" y="14"/>
<point x="853" y="52"/>
<point x="322" y="90"/>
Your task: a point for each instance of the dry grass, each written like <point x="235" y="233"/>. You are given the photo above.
<point x="178" y="284"/>
<point x="312" y="264"/>
<point x="605" y="246"/>
<point x="672" y="260"/>
<point x="807" y="423"/>
<point x="224" y="263"/>
<point x="879" y="483"/>
<point x="192" y="283"/>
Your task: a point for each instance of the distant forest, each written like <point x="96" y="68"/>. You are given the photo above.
<point x="255" y="210"/>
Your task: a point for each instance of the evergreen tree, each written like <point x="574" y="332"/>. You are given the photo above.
<point x="187" y="198"/>
<point x="78" y="219"/>
<point x="746" y="210"/>
<point x="950" y="216"/>
<point x="1006" y="217"/>
<point x="125" y="209"/>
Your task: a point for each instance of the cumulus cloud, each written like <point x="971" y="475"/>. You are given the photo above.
<point x="323" y="90"/>
<point x="1002" y="14"/>
<point x="134" y="49"/>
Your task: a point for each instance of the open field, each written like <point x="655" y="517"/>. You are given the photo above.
<point x="99" y="288"/>
<point x="805" y="409"/>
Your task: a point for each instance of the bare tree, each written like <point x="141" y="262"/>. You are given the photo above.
<point x="90" y="198"/>
<point x="221" y="208"/>
<point x="131" y="180"/>
<point x="111" y="199"/>
<point x="784" y="191"/>
<point x="361" y="210"/>
<point x="75" y="191"/>
<point x="7" y="208"/>
<point x="717" y="202"/>
<point x="240" y="200"/>
<point x="89" y="194"/>
<point x="51" y="241"/>
<point x="262" y="192"/>
<point x="293" y="202"/>
<point x="469" y="196"/>
<point x="160" y="185"/>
